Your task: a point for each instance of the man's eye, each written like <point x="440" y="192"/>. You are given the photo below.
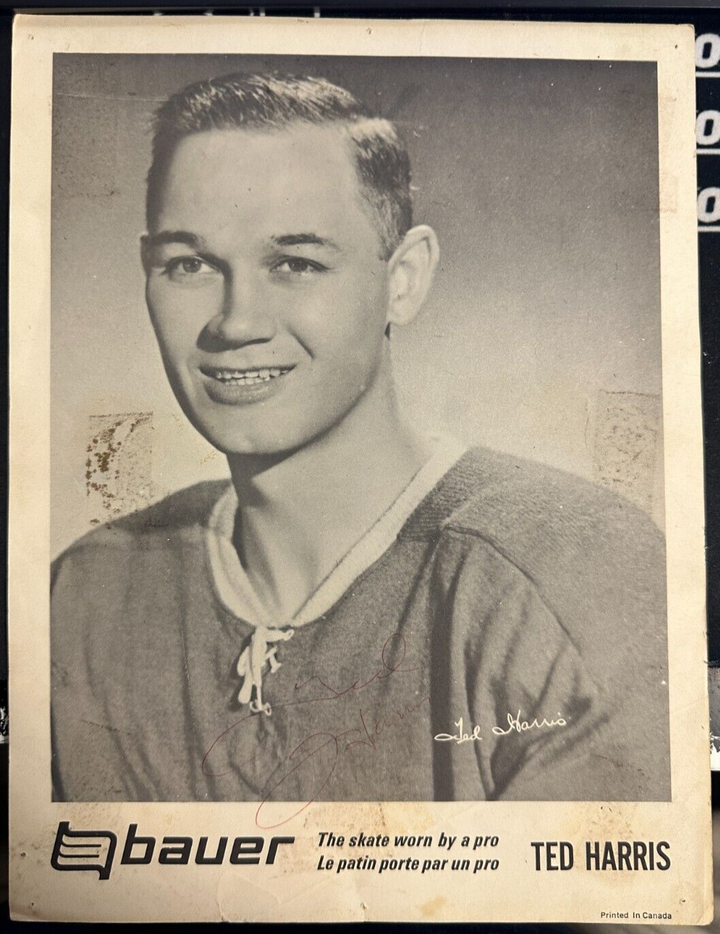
<point x="295" y="266"/>
<point x="184" y="268"/>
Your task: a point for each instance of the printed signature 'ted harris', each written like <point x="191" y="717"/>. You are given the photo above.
<point x="515" y="725"/>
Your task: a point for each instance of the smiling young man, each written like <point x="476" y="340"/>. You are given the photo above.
<point x="363" y="613"/>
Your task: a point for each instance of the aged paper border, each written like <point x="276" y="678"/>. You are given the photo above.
<point x="292" y="888"/>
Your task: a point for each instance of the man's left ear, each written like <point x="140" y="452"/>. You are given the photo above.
<point x="410" y="273"/>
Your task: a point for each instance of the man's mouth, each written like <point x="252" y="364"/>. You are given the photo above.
<point x="230" y="377"/>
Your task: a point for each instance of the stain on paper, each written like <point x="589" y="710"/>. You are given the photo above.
<point x="430" y="908"/>
<point x="118" y="465"/>
<point x="627" y="444"/>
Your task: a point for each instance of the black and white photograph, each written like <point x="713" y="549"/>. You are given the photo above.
<point x="370" y="294"/>
<point x="358" y="444"/>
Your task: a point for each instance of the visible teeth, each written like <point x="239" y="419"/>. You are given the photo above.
<point x="249" y="377"/>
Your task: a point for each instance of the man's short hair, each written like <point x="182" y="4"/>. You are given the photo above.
<point x="273" y="102"/>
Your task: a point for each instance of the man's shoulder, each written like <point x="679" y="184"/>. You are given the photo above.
<point x="584" y="550"/>
<point x="521" y="505"/>
<point x="164" y="524"/>
<point x="525" y="536"/>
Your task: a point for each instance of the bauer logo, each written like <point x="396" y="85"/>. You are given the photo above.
<point x="83" y="850"/>
<point x="94" y="850"/>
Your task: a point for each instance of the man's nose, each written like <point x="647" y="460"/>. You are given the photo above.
<point x="244" y="317"/>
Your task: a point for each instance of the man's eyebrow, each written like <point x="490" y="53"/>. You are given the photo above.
<point x="304" y="239"/>
<point x="165" y="237"/>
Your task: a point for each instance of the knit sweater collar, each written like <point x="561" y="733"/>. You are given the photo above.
<point x="415" y="510"/>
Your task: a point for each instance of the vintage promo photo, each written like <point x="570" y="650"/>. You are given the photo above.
<point x="357" y="441"/>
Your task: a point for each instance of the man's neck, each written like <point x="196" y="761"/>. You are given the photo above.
<point x="301" y="514"/>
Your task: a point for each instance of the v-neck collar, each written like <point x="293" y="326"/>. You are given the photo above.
<point x="233" y="586"/>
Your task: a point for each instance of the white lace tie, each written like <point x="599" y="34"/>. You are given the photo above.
<point x="259" y="651"/>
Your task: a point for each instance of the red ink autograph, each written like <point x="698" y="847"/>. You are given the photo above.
<point x="306" y="749"/>
<point x="385" y="671"/>
<point x="338" y="744"/>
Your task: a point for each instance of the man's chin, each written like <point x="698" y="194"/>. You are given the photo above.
<point x="267" y="436"/>
<point x="238" y="448"/>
